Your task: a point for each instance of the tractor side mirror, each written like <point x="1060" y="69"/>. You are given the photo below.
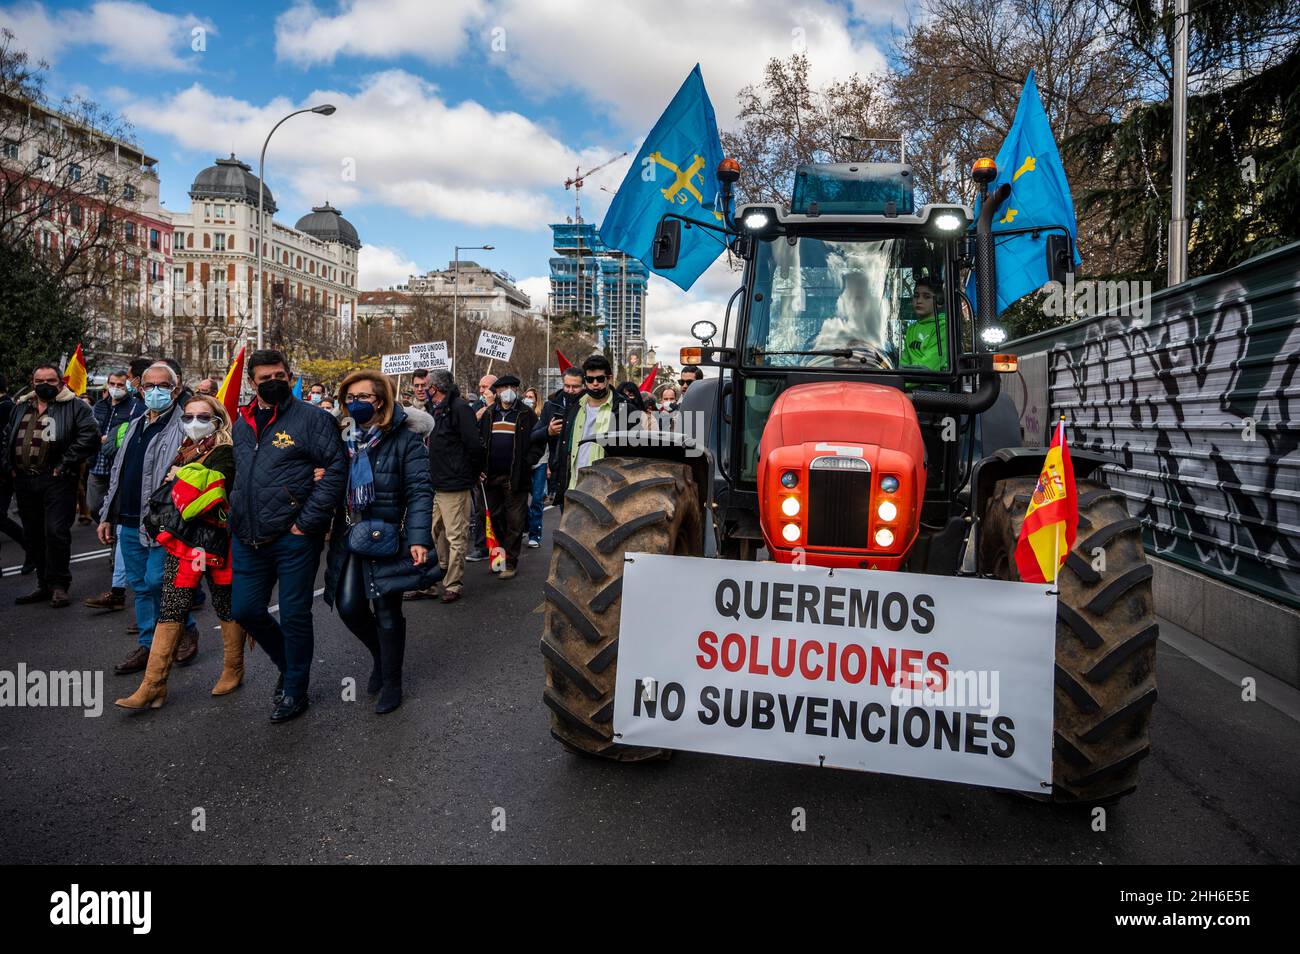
<point x="1060" y="261"/>
<point x="668" y="243"/>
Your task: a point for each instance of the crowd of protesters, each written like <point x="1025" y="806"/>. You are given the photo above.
<point x="395" y="491"/>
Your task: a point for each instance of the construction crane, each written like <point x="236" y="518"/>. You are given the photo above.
<point x="576" y="183"/>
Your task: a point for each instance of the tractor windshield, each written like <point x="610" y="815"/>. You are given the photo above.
<point x="854" y="304"/>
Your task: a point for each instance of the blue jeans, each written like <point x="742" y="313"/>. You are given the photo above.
<point x="119" y="565"/>
<point x="537" y="502"/>
<point x="292" y="561"/>
<point x="144" y="575"/>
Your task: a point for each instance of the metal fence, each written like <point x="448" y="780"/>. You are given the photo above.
<point x="1196" y="397"/>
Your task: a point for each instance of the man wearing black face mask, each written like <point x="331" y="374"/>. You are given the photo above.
<point x="45" y="441"/>
<point x="279" y="514"/>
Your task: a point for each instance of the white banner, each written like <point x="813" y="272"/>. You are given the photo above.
<point x="495" y="346"/>
<point x="430" y="355"/>
<point x="927" y="676"/>
<point x="396" y="364"/>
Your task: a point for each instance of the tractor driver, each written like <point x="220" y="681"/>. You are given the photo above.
<point x="925" y="342"/>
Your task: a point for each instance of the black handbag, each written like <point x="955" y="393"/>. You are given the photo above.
<point x="376" y="539"/>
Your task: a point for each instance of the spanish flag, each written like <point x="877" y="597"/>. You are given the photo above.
<point x="228" y="393"/>
<point x="1052" y="521"/>
<point x="74" y="375"/>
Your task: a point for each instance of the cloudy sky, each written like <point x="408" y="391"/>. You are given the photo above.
<point x="458" y="120"/>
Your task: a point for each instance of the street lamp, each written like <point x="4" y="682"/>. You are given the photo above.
<point x="324" y="110"/>
<point x="455" y="293"/>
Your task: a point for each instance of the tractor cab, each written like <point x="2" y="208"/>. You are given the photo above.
<point x="846" y="333"/>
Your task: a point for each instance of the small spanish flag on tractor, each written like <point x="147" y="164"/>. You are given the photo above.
<point x="228" y="393"/>
<point x="1052" y="521"/>
<point x="74" y="375"/>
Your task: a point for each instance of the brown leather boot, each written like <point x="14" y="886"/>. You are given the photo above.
<point x="232" y="668"/>
<point x="188" y="647"/>
<point x="153" y="688"/>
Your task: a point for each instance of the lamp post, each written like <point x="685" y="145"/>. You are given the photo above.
<point x="324" y="110"/>
<point x="455" y="293"/>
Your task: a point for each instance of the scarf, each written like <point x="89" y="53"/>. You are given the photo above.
<point x="191" y="451"/>
<point x="361" y="478"/>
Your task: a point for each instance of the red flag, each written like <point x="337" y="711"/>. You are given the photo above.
<point x="228" y="393"/>
<point x="648" y="385"/>
<point x="496" y="552"/>
<point x="565" y="363"/>
<point x="1052" y="520"/>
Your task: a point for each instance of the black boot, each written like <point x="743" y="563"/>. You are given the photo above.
<point x="392" y="650"/>
<point x="376" y="680"/>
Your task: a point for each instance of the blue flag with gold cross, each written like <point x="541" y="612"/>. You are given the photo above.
<point x="675" y="171"/>
<point x="1040" y="195"/>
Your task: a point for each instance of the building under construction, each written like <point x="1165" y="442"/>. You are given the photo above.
<point x="589" y="278"/>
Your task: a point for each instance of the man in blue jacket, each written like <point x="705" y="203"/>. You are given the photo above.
<point x="279" y="515"/>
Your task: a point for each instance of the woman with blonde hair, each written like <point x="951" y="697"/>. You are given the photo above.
<point x="379" y="545"/>
<point x="188" y="517"/>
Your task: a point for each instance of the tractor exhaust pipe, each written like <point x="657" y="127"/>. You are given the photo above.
<point x="986" y="312"/>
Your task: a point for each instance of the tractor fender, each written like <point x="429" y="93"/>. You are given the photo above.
<point x="1020" y="462"/>
<point x="681" y="448"/>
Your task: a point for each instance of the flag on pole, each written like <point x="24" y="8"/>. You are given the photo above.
<point x="496" y="552"/>
<point x="297" y="386"/>
<point x="1040" y="195"/>
<point x="228" y="393"/>
<point x="675" y="171"/>
<point x="648" y="385"/>
<point x="74" y="375"/>
<point x="565" y="363"/>
<point x="1052" y="520"/>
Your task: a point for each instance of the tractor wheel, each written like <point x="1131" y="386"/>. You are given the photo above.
<point x="619" y="504"/>
<point x="1105" y="639"/>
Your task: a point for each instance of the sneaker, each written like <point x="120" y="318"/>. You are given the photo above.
<point x="534" y="543"/>
<point x="507" y="574"/>
<point x="478" y="557"/>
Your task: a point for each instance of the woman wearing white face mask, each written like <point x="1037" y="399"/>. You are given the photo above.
<point x="187" y="517"/>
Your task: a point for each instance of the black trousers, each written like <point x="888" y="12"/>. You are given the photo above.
<point x="379" y="624"/>
<point x="47" y="506"/>
<point x="8" y="525"/>
<point x="509" y="515"/>
<point x="477" y="525"/>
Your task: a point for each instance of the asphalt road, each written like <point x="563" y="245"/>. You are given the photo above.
<point x="471" y="742"/>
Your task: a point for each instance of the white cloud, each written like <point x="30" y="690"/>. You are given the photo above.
<point x="628" y="58"/>
<point x="538" y="290"/>
<point x="394" y="140"/>
<point x="125" y="33"/>
<point x="434" y="32"/>
<point x="670" y="312"/>
<point x="379" y="266"/>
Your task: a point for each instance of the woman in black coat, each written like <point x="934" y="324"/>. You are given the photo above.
<point x="379" y="547"/>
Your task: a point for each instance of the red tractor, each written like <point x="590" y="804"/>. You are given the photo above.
<point x="851" y="327"/>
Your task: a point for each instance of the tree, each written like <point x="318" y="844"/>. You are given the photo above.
<point x="66" y="197"/>
<point x="28" y="291"/>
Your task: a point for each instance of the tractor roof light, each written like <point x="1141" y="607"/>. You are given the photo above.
<point x="948" y="220"/>
<point x="993" y="335"/>
<point x="757" y="220"/>
<point x="728" y="170"/>
<point x="984" y="170"/>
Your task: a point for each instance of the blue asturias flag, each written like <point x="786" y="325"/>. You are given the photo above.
<point x="675" y="171"/>
<point x="297" y="387"/>
<point x="1040" y="195"/>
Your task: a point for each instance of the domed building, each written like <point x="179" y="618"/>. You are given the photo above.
<point x="309" y="271"/>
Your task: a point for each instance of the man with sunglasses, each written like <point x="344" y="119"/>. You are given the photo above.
<point x="688" y="377"/>
<point x="601" y="410"/>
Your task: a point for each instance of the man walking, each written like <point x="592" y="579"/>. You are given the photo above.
<point x="551" y="421"/>
<point x="280" y="514"/>
<point x="46" y="439"/>
<point x="114" y="409"/>
<point x="139" y="468"/>
<point x="507" y="428"/>
<point x="455" y="462"/>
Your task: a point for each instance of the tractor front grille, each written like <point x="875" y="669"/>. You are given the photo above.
<point x="839" y="508"/>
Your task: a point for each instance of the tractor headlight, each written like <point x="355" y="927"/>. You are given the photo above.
<point x="790" y="506"/>
<point x="790" y="479"/>
<point x="884" y="537"/>
<point x="791" y="532"/>
<point x="889" y="484"/>
<point x="887" y="511"/>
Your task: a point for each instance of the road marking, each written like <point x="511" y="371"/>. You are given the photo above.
<point x="78" y="558"/>
<point x="275" y="607"/>
<point x="1269" y="689"/>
